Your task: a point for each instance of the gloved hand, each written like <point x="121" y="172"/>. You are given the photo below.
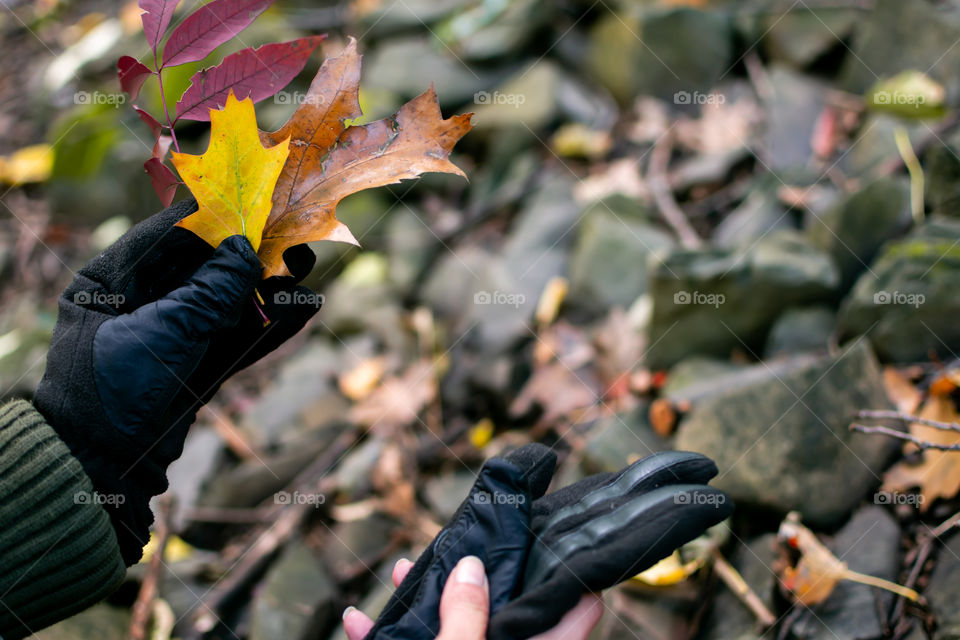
<point x="543" y="552"/>
<point x="146" y="334"/>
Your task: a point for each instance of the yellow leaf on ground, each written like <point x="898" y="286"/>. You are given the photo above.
<point x="30" y="164"/>
<point x="233" y="181"/>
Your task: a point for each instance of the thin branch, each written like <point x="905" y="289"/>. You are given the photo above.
<point x="662" y="194"/>
<point x="893" y="433"/>
<point x="906" y="417"/>
<point x="144" y="605"/>
<point x="732" y="578"/>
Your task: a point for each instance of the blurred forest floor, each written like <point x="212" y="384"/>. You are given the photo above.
<point x="718" y="226"/>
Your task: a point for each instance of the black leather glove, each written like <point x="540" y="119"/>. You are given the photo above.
<point x="543" y="553"/>
<point x="146" y="334"/>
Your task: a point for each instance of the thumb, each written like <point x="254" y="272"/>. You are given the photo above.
<point x="465" y="603"/>
<point x="211" y="299"/>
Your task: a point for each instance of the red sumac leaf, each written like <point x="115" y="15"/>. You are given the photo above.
<point x="132" y="75"/>
<point x="255" y="73"/>
<point x="156" y="18"/>
<point x="163" y="179"/>
<point x="208" y="27"/>
<point x="150" y="121"/>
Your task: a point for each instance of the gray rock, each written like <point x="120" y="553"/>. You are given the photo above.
<point x="101" y="621"/>
<point x="188" y="473"/>
<point x="695" y="372"/>
<point x="481" y="33"/>
<point x="678" y="50"/>
<point x="407" y="65"/>
<point x="536" y="95"/>
<point x="854" y="229"/>
<point x="609" y="263"/>
<point x="757" y="216"/>
<point x="800" y="330"/>
<point x="712" y="302"/>
<point x="892" y="21"/>
<point x="907" y="302"/>
<point x="253" y="481"/>
<point x="357" y="543"/>
<point x="381" y="589"/>
<point x="616" y="441"/>
<point x="720" y="377"/>
<point x="792" y="113"/>
<point x="409" y="241"/>
<point x="528" y="98"/>
<point x="784" y="443"/>
<point x="495" y="294"/>
<point x="942" y="176"/>
<point x="388" y="18"/>
<point x="445" y="492"/>
<point x="285" y="406"/>
<point x="729" y="618"/>
<point x="296" y="599"/>
<point x="875" y="146"/>
<point x="943" y="590"/>
<point x="802" y="35"/>
<point x="870" y="544"/>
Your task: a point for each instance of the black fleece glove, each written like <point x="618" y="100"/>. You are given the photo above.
<point x="146" y="334"/>
<point x="543" y="553"/>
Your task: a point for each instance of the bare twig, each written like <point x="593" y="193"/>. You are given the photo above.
<point x="927" y="542"/>
<point x="231" y="434"/>
<point x="732" y="578"/>
<point x="893" y="433"/>
<point x="144" y="605"/>
<point x="662" y="194"/>
<point x="906" y="417"/>
<point x="269" y="537"/>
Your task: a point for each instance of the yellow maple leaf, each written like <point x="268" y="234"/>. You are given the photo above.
<point x="233" y="181"/>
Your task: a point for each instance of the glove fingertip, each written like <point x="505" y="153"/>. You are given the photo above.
<point x="300" y="260"/>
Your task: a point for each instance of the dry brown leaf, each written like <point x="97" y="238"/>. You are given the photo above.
<point x="902" y="393"/>
<point x="358" y="382"/>
<point x="398" y="401"/>
<point x="329" y="161"/>
<point x="558" y="391"/>
<point x="818" y="571"/>
<point x="938" y="476"/>
<point x="663" y="417"/>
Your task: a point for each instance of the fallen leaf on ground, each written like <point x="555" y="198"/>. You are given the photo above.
<point x="398" y="401"/>
<point x="818" y="570"/>
<point x="234" y="180"/>
<point x="902" y="393"/>
<point x="360" y="381"/>
<point x="558" y="391"/>
<point x="329" y="161"/>
<point x="938" y="476"/>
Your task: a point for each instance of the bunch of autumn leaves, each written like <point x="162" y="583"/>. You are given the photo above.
<point x="278" y="189"/>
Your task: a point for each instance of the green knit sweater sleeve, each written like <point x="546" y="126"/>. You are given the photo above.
<point x="58" y="549"/>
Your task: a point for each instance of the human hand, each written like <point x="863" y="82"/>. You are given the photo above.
<point x="145" y="335"/>
<point x="465" y="608"/>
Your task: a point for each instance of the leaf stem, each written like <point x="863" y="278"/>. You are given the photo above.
<point x="880" y="583"/>
<point x="166" y="111"/>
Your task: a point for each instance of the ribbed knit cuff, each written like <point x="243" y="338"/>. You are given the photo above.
<point x="59" y="550"/>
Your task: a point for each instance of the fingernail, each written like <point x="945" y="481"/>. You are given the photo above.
<point x="470" y="571"/>
<point x="348" y="611"/>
